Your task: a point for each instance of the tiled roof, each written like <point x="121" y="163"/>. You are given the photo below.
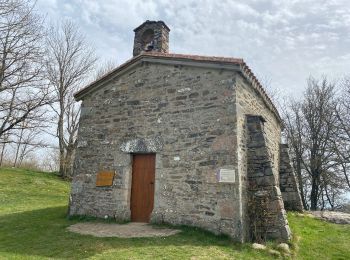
<point x="194" y="57"/>
<point x="244" y="68"/>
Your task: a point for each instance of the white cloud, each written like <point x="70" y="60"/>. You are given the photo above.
<point x="283" y="40"/>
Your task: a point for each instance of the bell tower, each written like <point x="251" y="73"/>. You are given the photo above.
<point x="151" y="36"/>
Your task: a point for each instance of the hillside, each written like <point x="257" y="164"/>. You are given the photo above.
<point x="33" y="225"/>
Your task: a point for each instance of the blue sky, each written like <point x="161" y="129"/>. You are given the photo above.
<point x="282" y="41"/>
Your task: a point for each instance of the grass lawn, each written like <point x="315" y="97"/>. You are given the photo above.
<point x="33" y="225"/>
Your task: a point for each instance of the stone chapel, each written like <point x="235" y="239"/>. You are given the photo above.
<point x="185" y="140"/>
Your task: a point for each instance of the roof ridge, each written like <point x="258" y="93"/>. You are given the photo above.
<point x="193" y="56"/>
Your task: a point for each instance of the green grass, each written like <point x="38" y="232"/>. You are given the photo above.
<point x="33" y="225"/>
<point x="317" y="239"/>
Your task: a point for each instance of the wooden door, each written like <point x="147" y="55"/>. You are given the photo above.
<point x="142" y="187"/>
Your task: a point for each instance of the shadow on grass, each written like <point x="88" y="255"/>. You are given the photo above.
<point x="43" y="233"/>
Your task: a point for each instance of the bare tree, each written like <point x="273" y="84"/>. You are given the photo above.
<point x="342" y="145"/>
<point x="22" y="90"/>
<point x="50" y="161"/>
<point x="311" y="127"/>
<point x="105" y="68"/>
<point x="293" y="121"/>
<point x="275" y="94"/>
<point x="331" y="190"/>
<point x="26" y="141"/>
<point x="72" y="114"/>
<point x="4" y="139"/>
<point x="69" y="61"/>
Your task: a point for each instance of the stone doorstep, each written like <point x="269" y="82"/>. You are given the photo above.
<point x="130" y="230"/>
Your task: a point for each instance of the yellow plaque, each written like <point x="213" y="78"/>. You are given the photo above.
<point x="104" y="178"/>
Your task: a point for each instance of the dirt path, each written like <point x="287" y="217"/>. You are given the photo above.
<point x="123" y="231"/>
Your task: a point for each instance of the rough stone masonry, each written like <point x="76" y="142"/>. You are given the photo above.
<point x="192" y="113"/>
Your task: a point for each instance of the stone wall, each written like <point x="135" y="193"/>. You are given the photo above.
<point x="186" y="115"/>
<point x="266" y="210"/>
<point x="288" y="182"/>
<point x="248" y="101"/>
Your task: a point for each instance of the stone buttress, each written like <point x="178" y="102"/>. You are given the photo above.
<point x="288" y="182"/>
<point x="266" y="212"/>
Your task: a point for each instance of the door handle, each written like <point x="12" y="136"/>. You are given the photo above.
<point x="151" y="183"/>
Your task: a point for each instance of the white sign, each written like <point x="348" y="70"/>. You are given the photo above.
<point x="226" y="175"/>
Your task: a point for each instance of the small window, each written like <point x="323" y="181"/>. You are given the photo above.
<point x="147" y="40"/>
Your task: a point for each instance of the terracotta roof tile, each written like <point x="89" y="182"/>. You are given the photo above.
<point x="194" y="57"/>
